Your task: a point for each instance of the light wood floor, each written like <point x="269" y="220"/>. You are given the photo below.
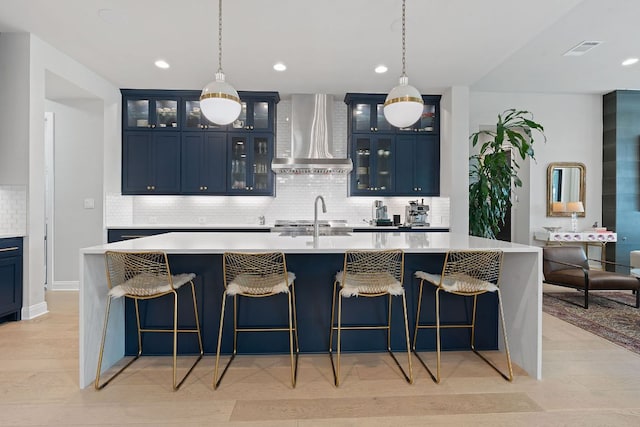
<point x="587" y="381"/>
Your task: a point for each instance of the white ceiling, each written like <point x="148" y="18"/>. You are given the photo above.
<point x="332" y="46"/>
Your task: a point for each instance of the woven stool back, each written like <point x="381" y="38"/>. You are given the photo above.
<point x="136" y="268"/>
<point x="269" y="268"/>
<point x="479" y="265"/>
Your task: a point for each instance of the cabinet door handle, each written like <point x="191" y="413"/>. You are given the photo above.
<point x="371" y="129"/>
<point x="13" y="248"/>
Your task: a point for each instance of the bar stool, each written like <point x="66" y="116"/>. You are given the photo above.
<point x="466" y="273"/>
<point x="145" y="276"/>
<point x="257" y="275"/>
<point x="369" y="274"/>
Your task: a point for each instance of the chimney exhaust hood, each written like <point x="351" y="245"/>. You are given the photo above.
<point x="311" y="138"/>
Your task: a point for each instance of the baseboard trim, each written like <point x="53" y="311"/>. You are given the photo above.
<point x="70" y="285"/>
<point x="34" y="311"/>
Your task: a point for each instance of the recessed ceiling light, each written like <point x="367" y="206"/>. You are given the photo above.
<point x="381" y="69"/>
<point x="279" y="66"/>
<point x="161" y="63"/>
<point x="629" y="61"/>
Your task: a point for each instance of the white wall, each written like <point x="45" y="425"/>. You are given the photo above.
<point x="454" y="155"/>
<point x="573" y="125"/>
<point x="78" y="154"/>
<point x="26" y="60"/>
<point x="14" y="108"/>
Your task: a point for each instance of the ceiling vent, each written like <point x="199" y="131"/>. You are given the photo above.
<point x="582" y="48"/>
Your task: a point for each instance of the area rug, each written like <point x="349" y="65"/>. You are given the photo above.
<point x="611" y="315"/>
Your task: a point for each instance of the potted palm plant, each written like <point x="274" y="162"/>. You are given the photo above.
<point x="495" y="167"/>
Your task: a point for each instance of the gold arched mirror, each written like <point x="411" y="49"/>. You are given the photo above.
<point x="566" y="189"/>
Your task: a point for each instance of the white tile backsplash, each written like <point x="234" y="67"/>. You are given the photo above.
<point x="294" y="199"/>
<point x="13" y="210"/>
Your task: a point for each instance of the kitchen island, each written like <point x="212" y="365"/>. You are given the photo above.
<point x="315" y="263"/>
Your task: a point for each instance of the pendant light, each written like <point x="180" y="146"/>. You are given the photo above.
<point x="219" y="101"/>
<point x="403" y="106"/>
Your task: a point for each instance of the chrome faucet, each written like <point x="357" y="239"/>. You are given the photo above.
<point x="316" y="229"/>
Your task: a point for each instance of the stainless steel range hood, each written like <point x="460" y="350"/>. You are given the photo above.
<point x="311" y="138"/>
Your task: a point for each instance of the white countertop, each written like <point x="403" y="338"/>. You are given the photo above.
<point x="219" y="242"/>
<point x="358" y="225"/>
<point x="11" y="235"/>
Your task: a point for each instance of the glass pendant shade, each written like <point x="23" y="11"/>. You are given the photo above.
<point x="403" y="106"/>
<point x="220" y="102"/>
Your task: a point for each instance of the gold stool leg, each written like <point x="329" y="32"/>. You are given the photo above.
<point x="177" y="384"/>
<point x="216" y="379"/>
<point x="195" y="312"/>
<point x="339" y="338"/>
<point x="331" y="329"/>
<point x="509" y="376"/>
<point x="408" y="377"/>
<point x="294" y="360"/>
<point x="438" y="344"/>
<point x="175" y="339"/>
<point x="415" y="334"/>
<point x="96" y="383"/>
<point x="406" y="332"/>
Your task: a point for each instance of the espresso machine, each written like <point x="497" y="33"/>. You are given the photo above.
<point x="380" y="214"/>
<point x="416" y="214"/>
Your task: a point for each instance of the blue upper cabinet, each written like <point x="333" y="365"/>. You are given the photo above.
<point x="373" y="165"/>
<point x="204" y="159"/>
<point x="250" y="158"/>
<point x="157" y="110"/>
<point x="390" y="161"/>
<point x="169" y="146"/>
<point x="193" y="119"/>
<point x="151" y="162"/>
<point x="417" y="165"/>
<point x="258" y="112"/>
<point x="366" y="113"/>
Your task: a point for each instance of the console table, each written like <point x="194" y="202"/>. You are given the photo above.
<point x="586" y="238"/>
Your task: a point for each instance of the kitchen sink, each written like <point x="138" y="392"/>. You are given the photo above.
<point x="304" y="227"/>
<point x="309" y="232"/>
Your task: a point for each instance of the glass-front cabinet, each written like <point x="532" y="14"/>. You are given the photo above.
<point x="250" y="164"/>
<point x="367" y="113"/>
<point x="429" y="121"/>
<point x="373" y="159"/>
<point x="257" y="113"/>
<point x="391" y="161"/>
<point x="155" y="110"/>
<point x="194" y="119"/>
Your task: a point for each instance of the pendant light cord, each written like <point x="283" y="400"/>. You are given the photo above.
<point x="403" y="38"/>
<point x="220" y="36"/>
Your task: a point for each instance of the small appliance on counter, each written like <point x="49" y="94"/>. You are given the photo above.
<point x="380" y="215"/>
<point x="416" y="214"/>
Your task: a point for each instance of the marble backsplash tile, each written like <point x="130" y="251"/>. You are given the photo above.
<point x="13" y="209"/>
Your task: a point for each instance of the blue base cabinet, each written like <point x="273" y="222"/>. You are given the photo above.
<point x="10" y="278"/>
